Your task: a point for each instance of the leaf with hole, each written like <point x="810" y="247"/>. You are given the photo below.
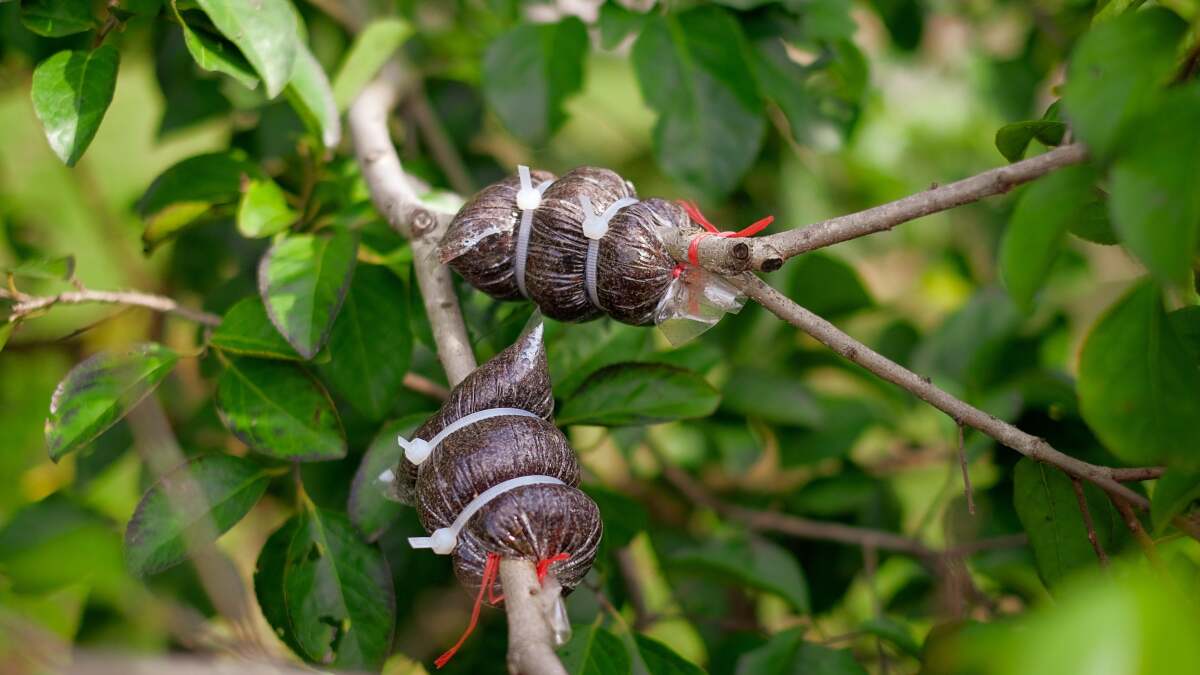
<point x="303" y="281"/>
<point x="280" y="410"/>
<point x="100" y="391"/>
<point x="629" y="394"/>
<point x="227" y="488"/>
<point x="71" y="92"/>
<point x="328" y="593"/>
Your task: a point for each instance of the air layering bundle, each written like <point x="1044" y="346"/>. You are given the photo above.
<point x="583" y="245"/>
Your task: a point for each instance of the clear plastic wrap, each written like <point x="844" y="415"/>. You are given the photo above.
<point x="694" y="302"/>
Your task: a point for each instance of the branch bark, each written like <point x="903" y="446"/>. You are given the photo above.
<point x="27" y="304"/>
<point x="527" y="603"/>
<point x="768" y="253"/>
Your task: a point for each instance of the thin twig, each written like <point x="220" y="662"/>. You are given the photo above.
<point x="768" y="253"/>
<point x="440" y="144"/>
<point x="642" y="617"/>
<point x="966" y="474"/>
<point x="1139" y="532"/>
<point x="425" y="386"/>
<point x="1007" y="434"/>
<point x="1138" y="473"/>
<point x="1086" y="512"/>
<point x="27" y="304"/>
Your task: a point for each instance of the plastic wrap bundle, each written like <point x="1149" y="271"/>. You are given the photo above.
<point x="493" y="477"/>
<point x="579" y="246"/>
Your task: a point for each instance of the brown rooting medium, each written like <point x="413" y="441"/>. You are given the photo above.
<point x="533" y="522"/>
<point x="633" y="266"/>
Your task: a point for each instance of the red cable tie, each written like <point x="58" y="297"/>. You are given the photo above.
<point x="543" y="565"/>
<point x="694" y="246"/>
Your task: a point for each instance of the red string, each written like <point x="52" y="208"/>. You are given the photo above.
<point x="491" y="571"/>
<point x="694" y="247"/>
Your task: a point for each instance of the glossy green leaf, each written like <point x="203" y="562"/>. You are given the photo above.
<point x="71" y="93"/>
<point x="371" y="342"/>
<point x="57" y="542"/>
<point x="369" y="507"/>
<point x="279" y="410"/>
<point x="575" y="351"/>
<point x="229" y="486"/>
<point x="53" y="269"/>
<point x="529" y="71"/>
<point x="265" y="32"/>
<point x="190" y="189"/>
<point x="1013" y="139"/>
<point x="1174" y="492"/>
<point x="1049" y="511"/>
<point x="263" y="209"/>
<point x="56" y="18"/>
<point x="245" y="330"/>
<point x="100" y="391"/>
<point x="771" y="395"/>
<point x="1038" y="225"/>
<point x="593" y="650"/>
<point x="1151" y="416"/>
<point x="784" y="81"/>
<point x="215" y="55"/>
<point x="629" y="394"/>
<point x="693" y="72"/>
<point x="661" y="659"/>
<point x="371" y="49"/>
<point x="750" y="561"/>
<point x="303" y="280"/>
<point x="311" y="96"/>
<point x="1155" y="204"/>
<point x="1113" y="74"/>
<point x="827" y="286"/>
<point x="623" y="516"/>
<point x="787" y="653"/>
<point x="327" y="592"/>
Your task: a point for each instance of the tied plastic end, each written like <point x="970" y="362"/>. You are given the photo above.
<point x="442" y="541"/>
<point x="595" y="227"/>
<point x="417" y="450"/>
<point x="387" y="476"/>
<point x="528" y="198"/>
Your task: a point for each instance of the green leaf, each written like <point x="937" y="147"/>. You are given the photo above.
<point x="214" y="55"/>
<point x="327" y="591"/>
<point x="279" y="410"/>
<point x="623" y="516"/>
<point x="246" y="330"/>
<point x="311" y="96"/>
<point x="303" y="280"/>
<point x="631" y="394"/>
<point x="190" y="189"/>
<point x="371" y="49"/>
<point x="771" y="395"/>
<point x="749" y="561"/>
<point x="1044" y="213"/>
<point x="575" y="351"/>
<point x="56" y="18"/>
<point x="100" y="391"/>
<point x="827" y="286"/>
<point x="230" y="487"/>
<point x="266" y="33"/>
<point x="1013" y="139"/>
<point x="692" y="70"/>
<point x="1049" y="512"/>
<point x="1139" y="387"/>
<point x="57" y="542"/>
<point x="662" y="660"/>
<point x="1114" y="72"/>
<point x="371" y="342"/>
<point x="1174" y="492"/>
<point x="529" y="71"/>
<point x="71" y="93"/>
<point x="894" y="632"/>
<point x="1155" y="204"/>
<point x="616" y="23"/>
<point x="369" y="507"/>
<point x="263" y="210"/>
<point x="787" y="652"/>
<point x="784" y="82"/>
<point x="6" y="329"/>
<point x="50" y="269"/>
<point x="593" y="650"/>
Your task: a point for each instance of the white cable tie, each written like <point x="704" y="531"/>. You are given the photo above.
<point x="445" y="539"/>
<point x="418" y="450"/>
<point x="595" y="226"/>
<point x="528" y="199"/>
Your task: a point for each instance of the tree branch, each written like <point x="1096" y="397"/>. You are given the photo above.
<point x="528" y="603"/>
<point x="1026" y="444"/>
<point x="1081" y="498"/>
<point x="27" y="304"/>
<point x="768" y="253"/>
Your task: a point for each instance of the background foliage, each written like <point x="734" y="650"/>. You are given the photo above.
<point x="195" y="149"/>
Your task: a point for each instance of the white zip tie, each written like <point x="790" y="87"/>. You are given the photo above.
<point x="445" y="539"/>
<point x="528" y="199"/>
<point x="595" y="226"/>
<point x="418" y="450"/>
